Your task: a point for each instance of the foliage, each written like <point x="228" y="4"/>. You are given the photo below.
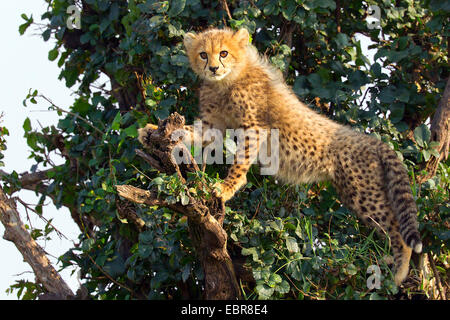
<point x="300" y="242"/>
<point x="3" y="133"/>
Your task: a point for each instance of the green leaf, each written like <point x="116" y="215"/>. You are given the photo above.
<point x="27" y="125"/>
<point x="131" y="131"/>
<point x="157" y="181"/>
<point x="276" y="225"/>
<point x="87" y="244"/>
<point x="426" y="155"/>
<point x="250" y="251"/>
<point x="186" y="272"/>
<point x="176" y="7"/>
<point x="330" y="4"/>
<point x="53" y="54"/>
<point x="144" y="250"/>
<point x="179" y="60"/>
<point x="156" y="21"/>
<point x="291" y="244"/>
<point x="289" y="10"/>
<point x="350" y="269"/>
<point x="184" y="200"/>
<point x="376" y="70"/>
<point x="387" y="95"/>
<point x="376" y="296"/>
<point x="81" y="106"/>
<point x="444" y="235"/>
<point x="274" y="279"/>
<point x="24" y="27"/>
<point x="265" y="292"/>
<point x="403" y="94"/>
<point x="283" y="287"/>
<point x="341" y="40"/>
<point x="397" y="112"/>
<point x="115" y="266"/>
<point x="46" y="34"/>
<point x="269" y="8"/>
<point x="422" y="135"/>
<point x="116" y="122"/>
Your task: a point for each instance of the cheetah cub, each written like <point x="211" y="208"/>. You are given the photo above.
<point x="241" y="90"/>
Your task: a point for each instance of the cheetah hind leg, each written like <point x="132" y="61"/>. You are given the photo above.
<point x="401" y="253"/>
<point x="374" y="212"/>
<point x="362" y="192"/>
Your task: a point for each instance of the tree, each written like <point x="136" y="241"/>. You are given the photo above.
<point x="284" y="241"/>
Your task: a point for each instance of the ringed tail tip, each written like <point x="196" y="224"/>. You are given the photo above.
<point x="418" y="247"/>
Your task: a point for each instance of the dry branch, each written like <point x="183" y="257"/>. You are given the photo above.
<point x="32" y="253"/>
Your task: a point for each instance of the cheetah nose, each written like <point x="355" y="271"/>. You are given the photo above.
<point x="213" y="69"/>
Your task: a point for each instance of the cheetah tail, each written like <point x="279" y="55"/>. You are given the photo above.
<point x="400" y="197"/>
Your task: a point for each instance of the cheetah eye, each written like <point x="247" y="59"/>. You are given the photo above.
<point x="223" y="54"/>
<point x="203" y="55"/>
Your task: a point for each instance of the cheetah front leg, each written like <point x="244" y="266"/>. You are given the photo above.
<point x="246" y="153"/>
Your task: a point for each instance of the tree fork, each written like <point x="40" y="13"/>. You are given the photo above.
<point x="205" y="217"/>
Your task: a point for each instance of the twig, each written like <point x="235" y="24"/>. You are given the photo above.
<point x="28" y="207"/>
<point x="225" y="7"/>
<point x="299" y="290"/>
<point x="151" y="161"/>
<point x="71" y="113"/>
<point x="436" y="275"/>
<point x="111" y="278"/>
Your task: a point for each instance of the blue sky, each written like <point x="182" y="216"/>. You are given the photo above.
<point x="24" y="65"/>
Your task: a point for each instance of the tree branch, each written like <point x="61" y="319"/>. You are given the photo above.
<point x="440" y="132"/>
<point x="226" y="8"/>
<point x="32" y="253"/>
<point x="29" y="180"/>
<point x="440" y="123"/>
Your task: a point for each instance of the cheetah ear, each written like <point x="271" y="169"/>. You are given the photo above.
<point x="242" y="37"/>
<point x="188" y="40"/>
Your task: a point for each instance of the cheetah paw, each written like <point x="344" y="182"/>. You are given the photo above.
<point x="222" y="191"/>
<point x="144" y="133"/>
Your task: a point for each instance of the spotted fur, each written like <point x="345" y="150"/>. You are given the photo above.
<point x="244" y="91"/>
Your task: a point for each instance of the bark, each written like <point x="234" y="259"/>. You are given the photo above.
<point x="440" y="132"/>
<point x="205" y="217"/>
<point x="286" y="36"/>
<point x="32" y="253"/>
<point x="440" y="123"/>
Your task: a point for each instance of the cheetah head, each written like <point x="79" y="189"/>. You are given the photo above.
<point x="217" y="54"/>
